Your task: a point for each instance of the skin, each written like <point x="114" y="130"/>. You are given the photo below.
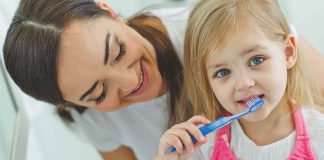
<point x="122" y="153"/>
<point x="178" y="136"/>
<point x="258" y="66"/>
<point x="81" y="64"/>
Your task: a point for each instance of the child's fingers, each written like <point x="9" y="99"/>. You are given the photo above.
<point x="192" y="129"/>
<point x="199" y="143"/>
<point x="185" y="138"/>
<point x="169" y="140"/>
<point x="198" y="120"/>
<point x="179" y="136"/>
<point x="166" y="142"/>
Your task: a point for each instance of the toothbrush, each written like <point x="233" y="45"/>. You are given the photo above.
<point x="254" y="104"/>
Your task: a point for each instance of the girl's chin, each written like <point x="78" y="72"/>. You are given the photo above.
<point x="255" y="117"/>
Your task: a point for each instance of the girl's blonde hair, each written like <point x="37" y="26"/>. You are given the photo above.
<point x="211" y="24"/>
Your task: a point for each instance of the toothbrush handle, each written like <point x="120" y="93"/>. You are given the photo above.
<point x="204" y="130"/>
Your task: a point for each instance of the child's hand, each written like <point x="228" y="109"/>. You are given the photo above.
<point x="179" y="137"/>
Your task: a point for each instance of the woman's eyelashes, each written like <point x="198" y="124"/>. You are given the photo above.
<point x="102" y="96"/>
<point x="122" y="51"/>
<point x="254" y="61"/>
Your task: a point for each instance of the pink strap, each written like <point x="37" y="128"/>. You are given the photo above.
<point x="302" y="148"/>
<point x="222" y="148"/>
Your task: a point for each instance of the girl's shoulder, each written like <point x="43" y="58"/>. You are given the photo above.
<point x="313" y="116"/>
<point x="314" y="121"/>
<point x="205" y="151"/>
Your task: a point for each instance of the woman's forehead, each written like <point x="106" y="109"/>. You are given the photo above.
<point x="81" y="51"/>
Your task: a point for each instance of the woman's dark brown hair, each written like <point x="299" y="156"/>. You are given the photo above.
<point x="33" y="39"/>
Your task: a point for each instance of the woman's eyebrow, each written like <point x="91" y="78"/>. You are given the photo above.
<point x="87" y="93"/>
<point x="107" y="48"/>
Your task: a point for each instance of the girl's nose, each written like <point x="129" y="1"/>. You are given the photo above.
<point x="244" y="82"/>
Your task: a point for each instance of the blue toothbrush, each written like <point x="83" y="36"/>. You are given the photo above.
<point x="254" y="104"/>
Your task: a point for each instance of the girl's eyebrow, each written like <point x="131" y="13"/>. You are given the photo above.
<point x="242" y="53"/>
<point x="87" y="93"/>
<point x="251" y="49"/>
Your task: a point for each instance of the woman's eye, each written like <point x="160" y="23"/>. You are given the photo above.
<point x="222" y="73"/>
<point x="100" y="99"/>
<point x="255" y="61"/>
<point x="122" y="51"/>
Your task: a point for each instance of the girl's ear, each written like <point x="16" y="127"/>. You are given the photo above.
<point x="105" y="7"/>
<point x="290" y="51"/>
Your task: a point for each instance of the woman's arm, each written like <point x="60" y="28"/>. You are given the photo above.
<point x="121" y="153"/>
<point x="316" y="59"/>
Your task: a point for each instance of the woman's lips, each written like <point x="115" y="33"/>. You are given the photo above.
<point x="139" y="89"/>
<point x="140" y="82"/>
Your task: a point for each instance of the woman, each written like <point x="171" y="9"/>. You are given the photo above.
<point x="74" y="53"/>
<point x="77" y="54"/>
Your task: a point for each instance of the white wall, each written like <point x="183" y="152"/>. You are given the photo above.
<point x="308" y="17"/>
<point x="7" y="110"/>
<point x="126" y="8"/>
<point x="7" y="119"/>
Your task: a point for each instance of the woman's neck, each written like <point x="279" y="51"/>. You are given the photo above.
<point x="278" y="125"/>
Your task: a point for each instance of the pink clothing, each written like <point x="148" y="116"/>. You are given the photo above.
<point x="302" y="149"/>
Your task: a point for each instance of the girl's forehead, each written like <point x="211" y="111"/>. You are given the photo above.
<point x="239" y="45"/>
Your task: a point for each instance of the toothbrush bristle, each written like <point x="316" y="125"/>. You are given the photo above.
<point x="254" y="103"/>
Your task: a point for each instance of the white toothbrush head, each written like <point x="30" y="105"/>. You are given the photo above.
<point x="254" y="103"/>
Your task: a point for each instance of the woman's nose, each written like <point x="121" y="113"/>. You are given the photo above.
<point x="243" y="81"/>
<point x="126" y="80"/>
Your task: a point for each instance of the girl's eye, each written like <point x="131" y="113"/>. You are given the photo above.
<point x="122" y="51"/>
<point x="221" y="73"/>
<point x="256" y="61"/>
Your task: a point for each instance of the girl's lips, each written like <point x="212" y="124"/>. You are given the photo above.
<point x="244" y="105"/>
<point x="141" y="88"/>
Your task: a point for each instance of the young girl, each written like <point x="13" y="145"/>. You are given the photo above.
<point x="243" y="49"/>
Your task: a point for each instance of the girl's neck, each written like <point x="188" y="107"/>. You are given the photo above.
<point x="278" y="125"/>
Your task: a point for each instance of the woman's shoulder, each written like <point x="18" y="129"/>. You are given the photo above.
<point x="108" y="130"/>
<point x="93" y="119"/>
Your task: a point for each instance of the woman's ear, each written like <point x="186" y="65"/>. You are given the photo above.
<point x="290" y="51"/>
<point x="104" y="6"/>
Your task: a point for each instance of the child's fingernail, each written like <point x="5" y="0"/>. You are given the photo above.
<point x="191" y="150"/>
<point x="201" y="138"/>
